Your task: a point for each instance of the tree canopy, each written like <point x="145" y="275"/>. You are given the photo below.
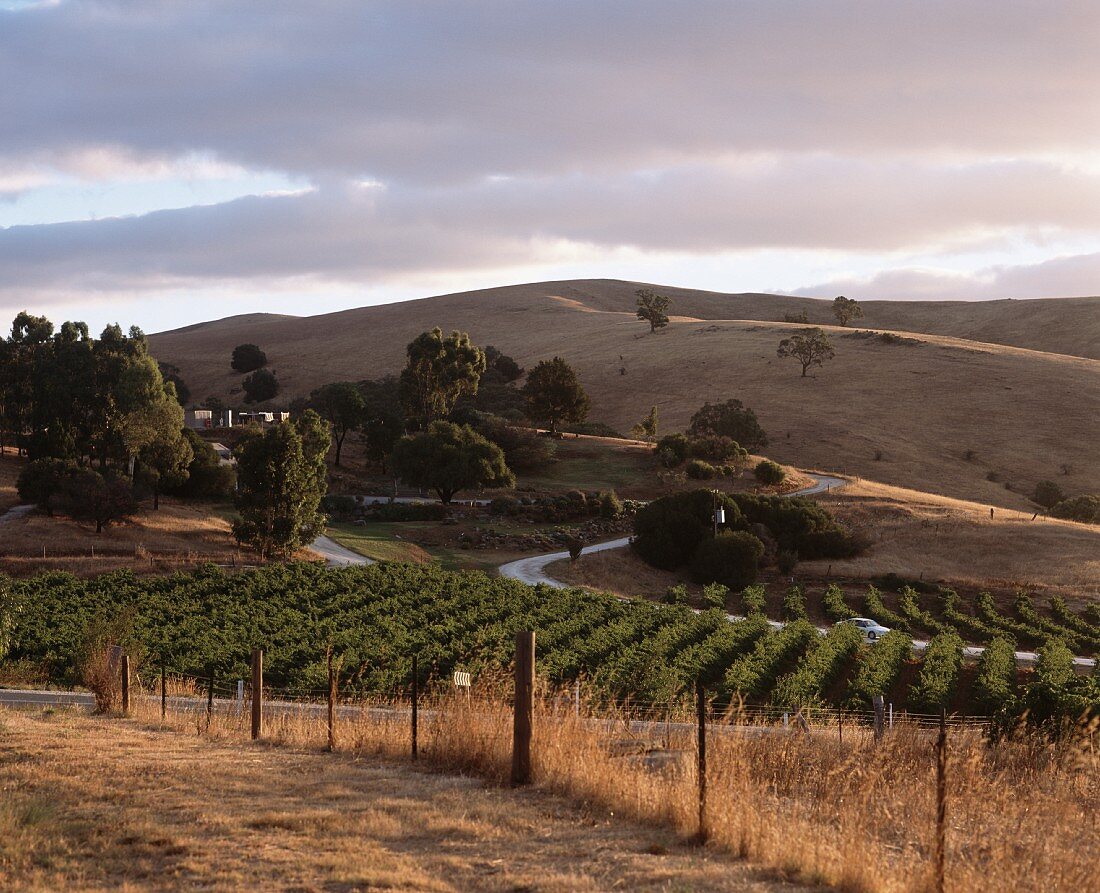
<point x="730" y="419"/>
<point x="448" y="458"/>
<point x="341" y="404"/>
<point x="553" y="394"/>
<point x="281" y="481"/>
<point x="811" y="347"/>
<point x="260" y="386"/>
<point x="438" y="371"/>
<point x="845" y="310"/>
<point x="653" y="308"/>
<point x="248" y="358"/>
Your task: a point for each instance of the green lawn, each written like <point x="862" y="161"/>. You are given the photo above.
<point x="377" y="541"/>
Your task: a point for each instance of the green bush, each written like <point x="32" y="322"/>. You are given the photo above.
<point x="836" y="608"/>
<point x="412" y="511"/>
<point x="715" y="448"/>
<point x="42" y="481"/>
<point x="876" y="609"/>
<point x="1085" y="509"/>
<point x="676" y="445"/>
<point x="807" y="683"/>
<point x="731" y="419"/>
<point x="799" y="524"/>
<point x="786" y="561"/>
<point x="794" y="604"/>
<point x="995" y="683"/>
<point x="668" y="531"/>
<point x="752" y="675"/>
<point x="754" y="600"/>
<point x="338" y="507"/>
<point x="880" y="667"/>
<point x="611" y="506"/>
<point x="731" y="558"/>
<point x="715" y="595"/>
<point x="939" y="672"/>
<point x="768" y="472"/>
<point x="676" y="595"/>
<point x="1047" y="494"/>
<point x="699" y="470"/>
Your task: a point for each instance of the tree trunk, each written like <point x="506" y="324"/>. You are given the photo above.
<point x="339" y="446"/>
<point x="156" y="497"/>
<point x="98" y="526"/>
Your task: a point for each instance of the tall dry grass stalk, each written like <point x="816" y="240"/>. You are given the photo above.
<point x="857" y="816"/>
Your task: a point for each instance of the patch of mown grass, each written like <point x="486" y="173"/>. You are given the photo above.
<point x="377" y="541"/>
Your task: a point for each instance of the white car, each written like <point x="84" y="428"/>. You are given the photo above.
<point x="871" y="630"/>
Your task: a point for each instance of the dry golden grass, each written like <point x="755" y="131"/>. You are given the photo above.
<point x="923" y="405"/>
<point x="853" y="815"/>
<point x="914" y="534"/>
<point x="95" y="804"/>
<point x="181" y="534"/>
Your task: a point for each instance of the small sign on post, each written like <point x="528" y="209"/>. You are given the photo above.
<point x="463" y="680"/>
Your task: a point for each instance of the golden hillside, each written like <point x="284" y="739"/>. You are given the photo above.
<point x="1021" y="415"/>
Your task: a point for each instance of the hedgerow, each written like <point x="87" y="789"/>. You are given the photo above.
<point x="995" y="682"/>
<point x="806" y="684"/>
<point x="880" y="667"/>
<point x="876" y="609"/>
<point x="832" y="600"/>
<point x="939" y="672"/>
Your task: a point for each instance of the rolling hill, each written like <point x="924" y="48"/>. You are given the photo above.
<point x="974" y="417"/>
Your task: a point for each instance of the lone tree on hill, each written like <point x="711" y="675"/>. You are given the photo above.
<point x="646" y="429"/>
<point x="1047" y="494"/>
<point x="554" y="395"/>
<point x="448" y="458"/>
<point x="340" y="404"/>
<point x="248" y="358"/>
<point x="281" y="482"/>
<point x="653" y="308"/>
<point x="845" y="310"/>
<point x="261" y="385"/>
<point x="439" y="371"/>
<point x="811" y="347"/>
<point x="731" y="419"/>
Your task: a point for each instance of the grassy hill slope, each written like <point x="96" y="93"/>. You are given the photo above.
<point x="908" y="413"/>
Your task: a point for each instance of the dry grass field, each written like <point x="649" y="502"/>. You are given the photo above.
<point x="849" y="814"/>
<point x="969" y="419"/>
<point x="90" y="804"/>
<point x="179" y="535"/>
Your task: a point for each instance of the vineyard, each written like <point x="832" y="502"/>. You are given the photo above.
<point x="374" y="619"/>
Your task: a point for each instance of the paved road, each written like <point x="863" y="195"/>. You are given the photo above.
<point x="336" y="555"/>
<point x="16" y="511"/>
<point x="533" y="570"/>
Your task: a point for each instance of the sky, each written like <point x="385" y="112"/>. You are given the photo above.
<point x="172" y="161"/>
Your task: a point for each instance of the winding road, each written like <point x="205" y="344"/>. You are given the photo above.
<point x="533" y="570"/>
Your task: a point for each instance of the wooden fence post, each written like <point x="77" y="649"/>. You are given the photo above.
<point x="209" y="695"/>
<point x="523" y="709"/>
<point x="941" y="802"/>
<point x="701" y="768"/>
<point x="331" y="704"/>
<point x="415" y="700"/>
<point x="879" y="717"/>
<point x="163" y="692"/>
<point x="125" y="671"/>
<point x="257" y="693"/>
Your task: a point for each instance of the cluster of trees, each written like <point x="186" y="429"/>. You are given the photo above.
<point x="95" y="416"/>
<point x="261" y="385"/>
<point x="447" y="422"/>
<point x="680" y="530"/>
<point x="1085" y="508"/>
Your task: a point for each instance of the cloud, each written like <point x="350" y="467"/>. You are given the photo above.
<point x="432" y="91"/>
<point x="1074" y="276"/>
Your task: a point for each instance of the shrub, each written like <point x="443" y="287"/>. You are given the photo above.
<point x="799" y="524"/>
<point x="676" y="595"/>
<point x="880" y="667"/>
<point x="676" y="446"/>
<point x="503" y="505"/>
<point x="786" y="560"/>
<point x="1047" y="494"/>
<point x="339" y="507"/>
<point x="699" y="470"/>
<point x="610" y="505"/>
<point x="413" y="511"/>
<point x="754" y="600"/>
<point x="715" y="448"/>
<point x="715" y="595"/>
<point x="731" y="558"/>
<point x="996" y="680"/>
<point x="731" y="419"/>
<point x="794" y="604"/>
<point x="939" y="672"/>
<point x="836" y="608"/>
<point x="668" y="530"/>
<point x="523" y="449"/>
<point x="574" y="545"/>
<point x="768" y="472"/>
<point x="1085" y="509"/>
